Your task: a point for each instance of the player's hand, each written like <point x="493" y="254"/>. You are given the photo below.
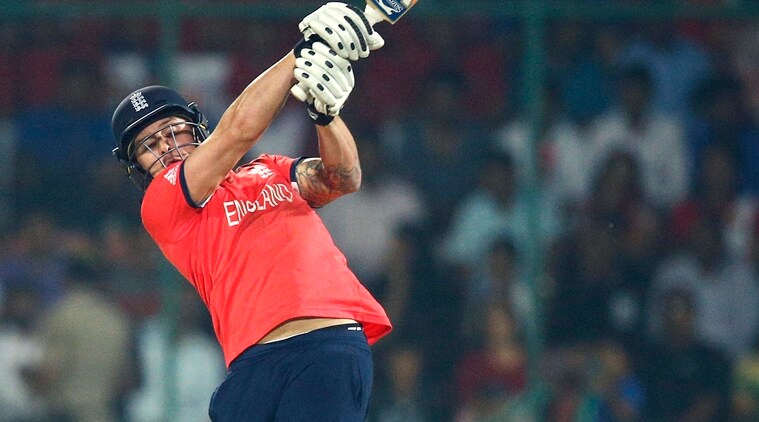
<point x="325" y="79"/>
<point x="344" y="28"/>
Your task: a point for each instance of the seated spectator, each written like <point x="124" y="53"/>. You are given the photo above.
<point x="438" y="149"/>
<point x="402" y="394"/>
<point x="745" y="387"/>
<point x="35" y="253"/>
<point x="614" y="382"/>
<point x="722" y="119"/>
<point x="724" y="290"/>
<point x="493" y="209"/>
<point x="198" y="367"/>
<point x="601" y="269"/>
<point x="495" y="371"/>
<point x="568" y="396"/>
<point x="423" y="298"/>
<point x="499" y="278"/>
<point x="565" y="168"/>
<point x="677" y="65"/>
<point x="689" y="380"/>
<point x="71" y="129"/>
<point x="85" y="363"/>
<point x="655" y="140"/>
<point x="20" y="353"/>
<point x="716" y="196"/>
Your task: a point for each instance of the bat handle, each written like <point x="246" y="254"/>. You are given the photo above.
<point x="299" y="91"/>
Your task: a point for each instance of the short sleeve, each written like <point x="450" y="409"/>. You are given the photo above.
<point x="166" y="214"/>
<point x="282" y="164"/>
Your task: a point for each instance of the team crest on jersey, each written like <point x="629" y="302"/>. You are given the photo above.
<point x="260" y="170"/>
<point x="171" y="175"/>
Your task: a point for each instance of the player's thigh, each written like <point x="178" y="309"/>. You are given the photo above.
<point x="335" y="385"/>
<point x="248" y="393"/>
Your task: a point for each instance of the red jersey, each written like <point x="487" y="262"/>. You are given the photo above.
<point x="257" y="253"/>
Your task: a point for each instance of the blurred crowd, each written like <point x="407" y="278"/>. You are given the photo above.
<point x="610" y="272"/>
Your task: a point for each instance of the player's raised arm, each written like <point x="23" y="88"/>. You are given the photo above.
<point x="337" y="172"/>
<point x="328" y="79"/>
<point x="239" y="128"/>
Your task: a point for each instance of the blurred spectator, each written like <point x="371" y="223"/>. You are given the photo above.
<point x="743" y="39"/>
<point x="396" y="77"/>
<point x="601" y="268"/>
<point x="63" y="140"/>
<point x="363" y="223"/>
<point x="722" y="120"/>
<point x="402" y="393"/>
<point x="438" y="149"/>
<point x="130" y="268"/>
<point x="565" y="166"/>
<point x="618" y="387"/>
<point x="654" y="139"/>
<point x="725" y="291"/>
<point x="716" y="197"/>
<point x="198" y="369"/>
<point x="494" y="208"/>
<point x="569" y="396"/>
<point x="583" y="59"/>
<point x="34" y="253"/>
<point x="85" y="357"/>
<point x="40" y="58"/>
<point x="484" y="63"/>
<point x="745" y="387"/>
<point x="20" y="352"/>
<point x="495" y="370"/>
<point x="676" y="65"/>
<point x="587" y="282"/>
<point x="499" y="278"/>
<point x="688" y="379"/>
<point x="422" y="297"/>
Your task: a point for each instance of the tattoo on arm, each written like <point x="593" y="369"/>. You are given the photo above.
<point x="320" y="184"/>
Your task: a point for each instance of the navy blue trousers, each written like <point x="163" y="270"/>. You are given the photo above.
<point x="325" y="375"/>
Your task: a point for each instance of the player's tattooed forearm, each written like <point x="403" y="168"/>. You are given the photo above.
<point x="320" y="184"/>
<point x="342" y="179"/>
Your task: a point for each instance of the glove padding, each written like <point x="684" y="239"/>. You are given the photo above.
<point x="344" y="28"/>
<point x="326" y="79"/>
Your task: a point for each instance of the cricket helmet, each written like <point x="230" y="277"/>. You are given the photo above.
<point x="140" y="109"/>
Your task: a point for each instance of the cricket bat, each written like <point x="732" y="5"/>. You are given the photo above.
<point x="376" y="11"/>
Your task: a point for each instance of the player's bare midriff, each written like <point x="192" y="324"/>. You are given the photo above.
<point x="301" y="326"/>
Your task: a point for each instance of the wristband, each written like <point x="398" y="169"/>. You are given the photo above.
<point x="320" y="119"/>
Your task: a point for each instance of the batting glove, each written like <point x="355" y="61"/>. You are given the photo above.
<point x="325" y="80"/>
<point x="344" y="28"/>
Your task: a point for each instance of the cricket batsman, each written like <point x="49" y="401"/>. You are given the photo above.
<point x="293" y="321"/>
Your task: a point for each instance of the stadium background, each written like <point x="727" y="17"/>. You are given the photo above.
<point x="547" y="184"/>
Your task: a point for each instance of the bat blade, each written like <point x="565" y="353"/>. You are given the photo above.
<point x="388" y="10"/>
